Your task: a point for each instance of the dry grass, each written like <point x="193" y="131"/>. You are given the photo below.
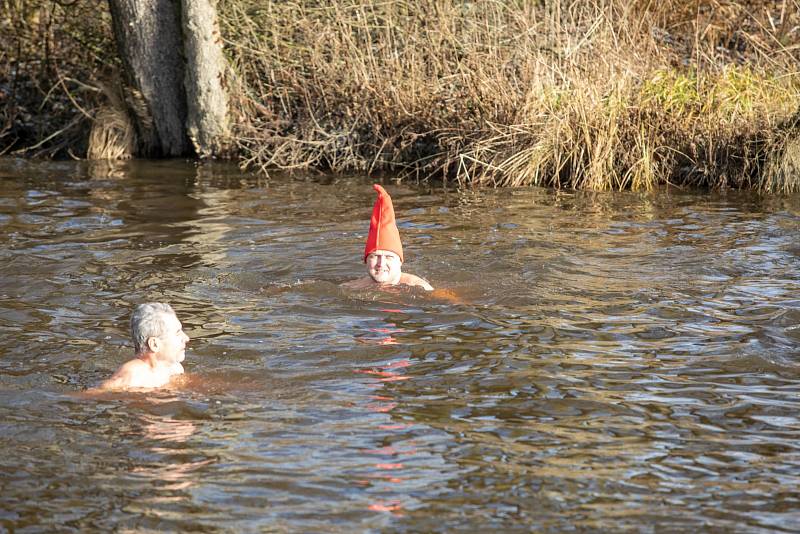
<point x="595" y="94"/>
<point x="51" y="57"/>
<point x="598" y="95"/>
<point x="112" y="135"/>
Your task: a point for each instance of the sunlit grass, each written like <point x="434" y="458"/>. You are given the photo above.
<point x="595" y="95"/>
<point x="602" y="94"/>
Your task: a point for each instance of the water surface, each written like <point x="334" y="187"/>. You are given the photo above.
<point x="613" y="362"/>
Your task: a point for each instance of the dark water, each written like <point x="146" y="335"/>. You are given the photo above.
<point x="618" y="362"/>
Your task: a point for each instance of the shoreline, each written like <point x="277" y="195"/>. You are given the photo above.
<point x="600" y="97"/>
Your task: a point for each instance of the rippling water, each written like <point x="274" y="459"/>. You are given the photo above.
<point x="613" y="362"/>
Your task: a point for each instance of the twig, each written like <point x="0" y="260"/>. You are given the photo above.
<point x="46" y="139"/>
<point x="69" y="95"/>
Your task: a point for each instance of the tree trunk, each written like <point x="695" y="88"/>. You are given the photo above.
<point x="149" y="40"/>
<point x="207" y="97"/>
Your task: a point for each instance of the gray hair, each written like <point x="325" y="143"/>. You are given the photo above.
<point x="147" y="320"/>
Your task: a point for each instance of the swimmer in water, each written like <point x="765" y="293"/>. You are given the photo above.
<point x="159" y="342"/>
<point x="383" y="254"/>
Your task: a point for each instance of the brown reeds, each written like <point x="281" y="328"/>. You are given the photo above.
<point x="603" y="94"/>
<point x="112" y="135"/>
<point x="596" y="94"/>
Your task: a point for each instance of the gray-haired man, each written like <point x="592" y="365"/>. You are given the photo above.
<point x="159" y="342"/>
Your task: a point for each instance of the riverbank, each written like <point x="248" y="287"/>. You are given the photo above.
<point x="608" y="95"/>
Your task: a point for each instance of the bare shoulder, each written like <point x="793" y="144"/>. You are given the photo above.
<point x="126" y="375"/>
<point x="415" y="281"/>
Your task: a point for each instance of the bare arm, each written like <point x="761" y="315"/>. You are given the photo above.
<point x="415" y="281"/>
<point x="447" y="294"/>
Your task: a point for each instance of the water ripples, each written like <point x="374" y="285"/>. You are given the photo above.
<point x="602" y="361"/>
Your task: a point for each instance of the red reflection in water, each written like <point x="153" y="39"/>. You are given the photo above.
<point x="374" y="372"/>
<point x="386" y="472"/>
<point x="395" y="365"/>
<point x="389" y="478"/>
<point x="388" y="340"/>
<point x="386" y="404"/>
<point x="391" y="450"/>
<point x="389" y="466"/>
<point x="394" y="378"/>
<point x="387" y="330"/>
<point x="387" y="375"/>
<point x="387" y="506"/>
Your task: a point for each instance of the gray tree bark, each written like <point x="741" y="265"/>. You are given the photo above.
<point x="149" y="40"/>
<point x="207" y="97"/>
<point x="172" y="53"/>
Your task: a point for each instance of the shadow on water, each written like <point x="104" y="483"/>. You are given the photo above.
<point x="600" y="361"/>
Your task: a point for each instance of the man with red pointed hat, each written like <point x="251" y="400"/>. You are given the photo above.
<point x="383" y="253"/>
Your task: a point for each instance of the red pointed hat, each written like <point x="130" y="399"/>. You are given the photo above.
<point x="383" y="233"/>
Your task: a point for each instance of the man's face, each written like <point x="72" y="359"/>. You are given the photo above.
<point x="383" y="266"/>
<point x="172" y="342"/>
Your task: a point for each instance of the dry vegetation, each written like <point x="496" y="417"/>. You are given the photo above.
<point x="52" y="57"/>
<point x="602" y="94"/>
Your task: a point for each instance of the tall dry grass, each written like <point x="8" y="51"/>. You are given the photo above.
<point x="603" y="94"/>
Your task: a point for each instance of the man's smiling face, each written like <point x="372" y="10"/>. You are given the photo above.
<point x="383" y="266"/>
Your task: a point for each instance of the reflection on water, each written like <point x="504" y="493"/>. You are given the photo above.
<point x="602" y="362"/>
